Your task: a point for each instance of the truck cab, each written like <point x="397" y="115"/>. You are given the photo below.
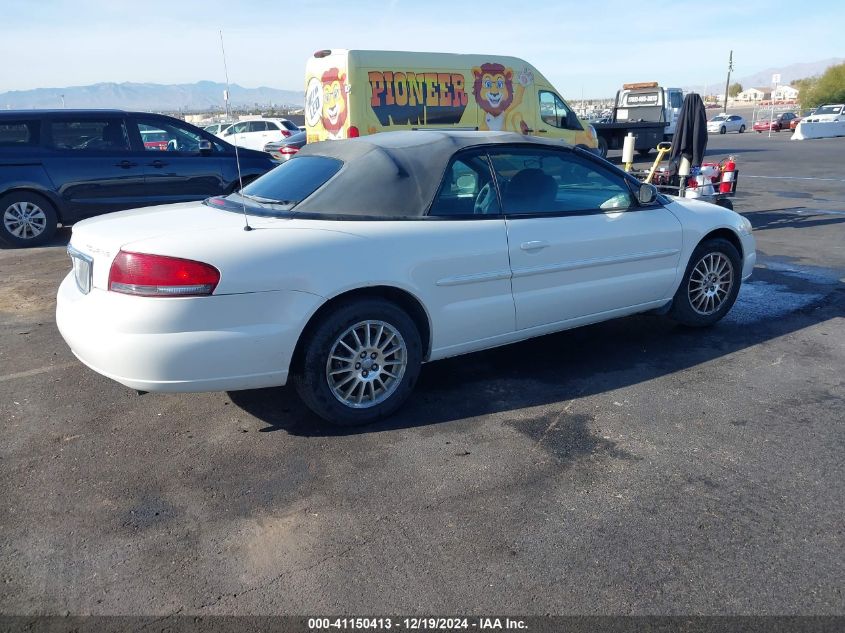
<point x="648" y="102"/>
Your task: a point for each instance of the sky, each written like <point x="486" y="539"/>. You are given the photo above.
<point x="584" y="48"/>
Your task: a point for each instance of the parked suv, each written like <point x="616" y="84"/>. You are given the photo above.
<point x="61" y="166"/>
<point x="256" y="133"/>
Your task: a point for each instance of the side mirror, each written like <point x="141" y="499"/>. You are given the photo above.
<point x="204" y="146"/>
<point x="647" y="193"/>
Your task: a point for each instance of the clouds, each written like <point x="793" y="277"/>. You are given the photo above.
<point x="576" y="45"/>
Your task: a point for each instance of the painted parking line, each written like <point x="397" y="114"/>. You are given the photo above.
<point x="36" y="372"/>
<point x="793" y="178"/>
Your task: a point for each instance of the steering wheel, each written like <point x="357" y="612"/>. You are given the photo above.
<point x="484" y="200"/>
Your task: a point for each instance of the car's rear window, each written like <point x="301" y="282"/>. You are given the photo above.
<point x="19" y="133"/>
<point x="290" y="125"/>
<point x="291" y="182"/>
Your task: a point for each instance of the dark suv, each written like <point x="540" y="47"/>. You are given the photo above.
<point x="61" y="166"/>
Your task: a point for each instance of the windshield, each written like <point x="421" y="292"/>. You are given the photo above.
<point x="719" y="117"/>
<point x="829" y="109"/>
<point x="289" y="184"/>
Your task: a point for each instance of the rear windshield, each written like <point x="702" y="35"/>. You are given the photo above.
<point x="289" y="183"/>
<point x="290" y="125"/>
<point x="19" y="133"/>
<point x="829" y="109"/>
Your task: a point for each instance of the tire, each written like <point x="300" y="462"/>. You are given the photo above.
<point x="603" y="147"/>
<point x="321" y="362"/>
<point x="644" y="152"/>
<point x="723" y="130"/>
<point x="741" y="129"/>
<point x="26" y="219"/>
<point x="690" y="306"/>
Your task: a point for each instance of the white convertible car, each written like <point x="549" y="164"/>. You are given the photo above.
<point x="350" y="265"/>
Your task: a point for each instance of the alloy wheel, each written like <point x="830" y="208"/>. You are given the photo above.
<point x="710" y="283"/>
<point x="366" y="364"/>
<point x="25" y="220"/>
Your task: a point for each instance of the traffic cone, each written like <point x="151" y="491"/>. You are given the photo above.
<point x="728" y="176"/>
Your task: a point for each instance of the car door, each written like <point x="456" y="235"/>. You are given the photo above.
<point x="92" y="163"/>
<point x="579" y="243"/>
<point x="466" y="262"/>
<point x="236" y="133"/>
<point x="176" y="169"/>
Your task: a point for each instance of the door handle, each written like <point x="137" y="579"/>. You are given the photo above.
<point x="126" y="164"/>
<point x="543" y="131"/>
<point x="534" y="245"/>
<point x="157" y="163"/>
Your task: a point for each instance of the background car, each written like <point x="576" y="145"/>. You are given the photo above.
<point x="217" y="128"/>
<point x="781" y="121"/>
<point x="345" y="292"/>
<point x="81" y="163"/>
<point x="284" y="150"/>
<point x="794" y="122"/>
<point x="256" y="133"/>
<point x="724" y="123"/>
<point x="828" y="112"/>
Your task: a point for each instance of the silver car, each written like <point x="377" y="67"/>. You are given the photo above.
<point x="724" y="123"/>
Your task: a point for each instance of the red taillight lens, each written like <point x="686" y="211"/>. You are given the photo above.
<point x="286" y="133"/>
<point x="289" y="150"/>
<point x="354" y="132"/>
<point x="159" y="276"/>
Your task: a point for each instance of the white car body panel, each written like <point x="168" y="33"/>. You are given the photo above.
<point x="276" y="276"/>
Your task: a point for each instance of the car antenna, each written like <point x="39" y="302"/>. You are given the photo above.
<point x="247" y="227"/>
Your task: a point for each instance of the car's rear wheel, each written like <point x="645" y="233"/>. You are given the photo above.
<point x="27" y="219"/>
<point x="723" y="130"/>
<point x="360" y="362"/>
<point x="741" y="129"/>
<point x="710" y="284"/>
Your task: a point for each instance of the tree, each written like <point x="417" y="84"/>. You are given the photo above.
<point x="829" y="88"/>
<point x="734" y="90"/>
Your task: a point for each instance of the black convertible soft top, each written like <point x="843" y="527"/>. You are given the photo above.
<point x="394" y="174"/>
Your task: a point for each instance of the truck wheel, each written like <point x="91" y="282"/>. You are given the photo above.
<point x="27" y="219"/>
<point x="602" y="147"/>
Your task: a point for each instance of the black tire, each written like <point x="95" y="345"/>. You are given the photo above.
<point x="602" y="147"/>
<point x="682" y="309"/>
<point x="40" y="227"/>
<point x="644" y="152"/>
<point x="723" y="130"/>
<point x="311" y="379"/>
<point x="741" y="129"/>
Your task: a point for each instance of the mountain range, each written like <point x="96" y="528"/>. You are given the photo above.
<point x="763" y="78"/>
<point x="204" y="96"/>
<point x="200" y="96"/>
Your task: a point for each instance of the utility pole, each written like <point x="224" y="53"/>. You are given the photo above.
<point x="728" y="82"/>
<point x="63" y="100"/>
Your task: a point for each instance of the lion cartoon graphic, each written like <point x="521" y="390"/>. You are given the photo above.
<point x="335" y="104"/>
<point x="495" y="94"/>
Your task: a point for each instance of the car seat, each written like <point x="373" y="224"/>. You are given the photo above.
<point x="530" y="190"/>
<point x="113" y="136"/>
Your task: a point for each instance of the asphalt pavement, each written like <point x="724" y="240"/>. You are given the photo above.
<point x="631" y="467"/>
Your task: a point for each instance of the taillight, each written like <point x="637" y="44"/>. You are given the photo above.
<point x="288" y="150"/>
<point x="286" y="133"/>
<point x="159" y="276"/>
<point x="353" y="132"/>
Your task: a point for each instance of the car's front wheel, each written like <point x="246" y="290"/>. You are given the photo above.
<point x="710" y="284"/>
<point x="723" y="130"/>
<point x="27" y="219"/>
<point x="360" y="362"/>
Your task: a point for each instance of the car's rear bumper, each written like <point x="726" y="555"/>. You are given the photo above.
<point x="216" y="343"/>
